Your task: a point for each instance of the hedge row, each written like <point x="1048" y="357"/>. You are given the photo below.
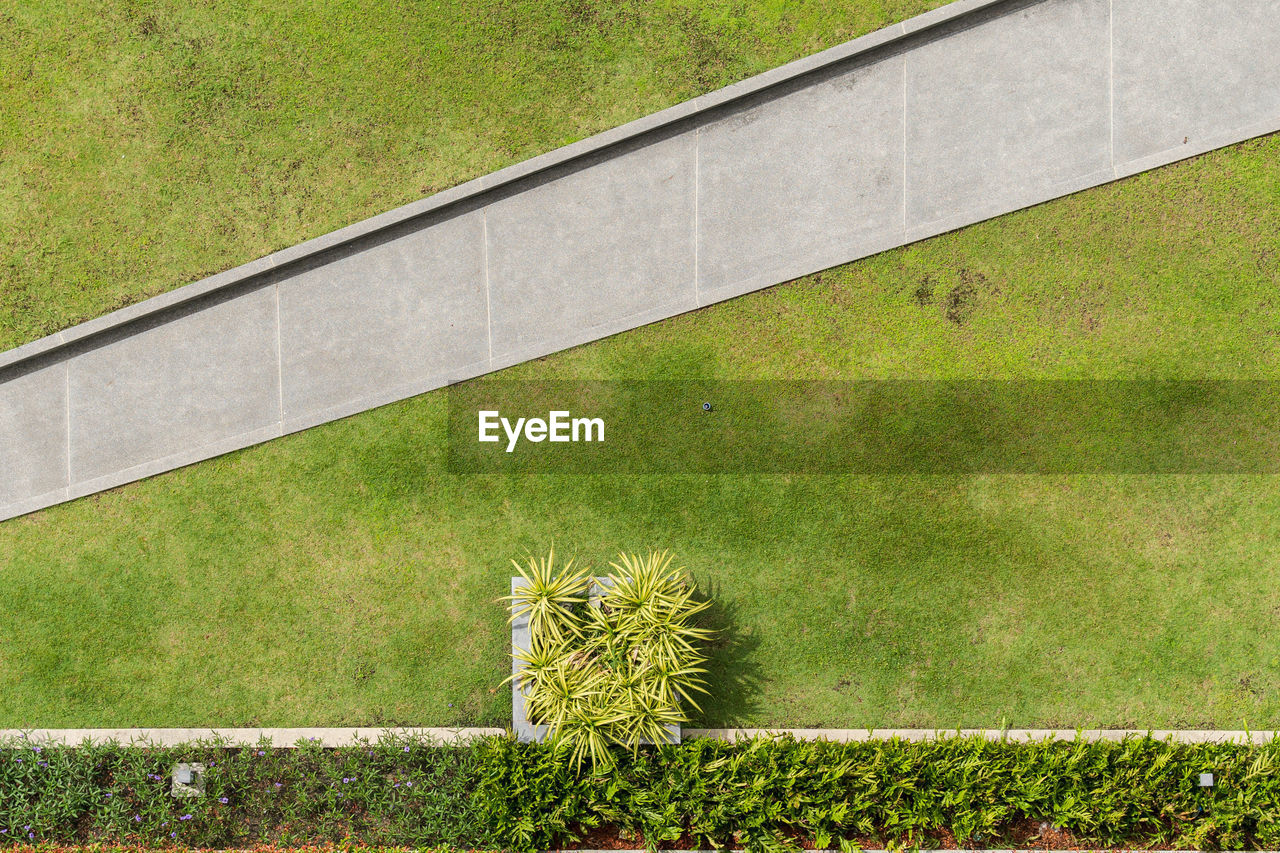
<point x="762" y="795"/>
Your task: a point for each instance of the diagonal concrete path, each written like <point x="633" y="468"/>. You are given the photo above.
<point x="972" y="110"/>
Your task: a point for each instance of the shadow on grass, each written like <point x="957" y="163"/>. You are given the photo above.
<point x="733" y="675"/>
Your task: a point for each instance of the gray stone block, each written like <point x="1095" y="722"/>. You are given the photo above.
<point x="592" y="251"/>
<point x="383" y="319"/>
<point x="1188" y="70"/>
<point x="33" y="424"/>
<point x="1008" y="112"/>
<point x="188" y="780"/>
<point x="800" y="182"/>
<point x="196" y="380"/>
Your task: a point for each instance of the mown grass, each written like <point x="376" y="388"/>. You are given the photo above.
<point x="343" y="575"/>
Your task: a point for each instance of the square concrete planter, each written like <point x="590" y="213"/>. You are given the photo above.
<point x="526" y="731"/>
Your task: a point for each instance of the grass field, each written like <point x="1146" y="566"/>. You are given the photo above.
<point x="343" y="576"/>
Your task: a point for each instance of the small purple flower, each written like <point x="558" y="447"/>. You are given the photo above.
<point x="260" y="752"/>
<point x="43" y="763"/>
<point x="36" y="749"/>
<point x="185" y="817"/>
<point x="222" y="800"/>
<point x="408" y="784"/>
<point x="25" y="828"/>
<point x="108" y="795"/>
<point x="137" y="818"/>
<point x="19" y="760"/>
<point x="31" y="835"/>
<point x="173" y="835"/>
<point x="396" y="785"/>
<point x="406" y="749"/>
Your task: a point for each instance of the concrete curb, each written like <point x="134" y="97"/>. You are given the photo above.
<point x="335" y="737"/>
<point x="277" y="738"/>
<point x="1188" y="736"/>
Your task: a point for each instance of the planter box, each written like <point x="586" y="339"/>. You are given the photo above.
<point x="526" y="731"/>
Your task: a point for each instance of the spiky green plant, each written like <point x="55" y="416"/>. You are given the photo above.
<point x="548" y="596"/>
<point x="538" y="663"/>
<point x="619" y="672"/>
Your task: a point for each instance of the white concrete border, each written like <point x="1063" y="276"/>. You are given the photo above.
<point x="277" y="738"/>
<point x="335" y="737"/>
<point x="1188" y="736"/>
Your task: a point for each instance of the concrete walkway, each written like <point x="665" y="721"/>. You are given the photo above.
<point x="973" y="110"/>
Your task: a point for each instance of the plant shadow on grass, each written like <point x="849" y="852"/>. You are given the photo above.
<point x="733" y="674"/>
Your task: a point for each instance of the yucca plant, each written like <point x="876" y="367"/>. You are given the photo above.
<point x="549" y="596"/>
<point x="619" y="672"/>
<point x="540" y="662"/>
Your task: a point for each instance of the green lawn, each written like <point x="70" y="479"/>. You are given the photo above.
<point x="343" y="576"/>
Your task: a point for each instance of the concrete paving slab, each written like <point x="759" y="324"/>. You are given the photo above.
<point x="33" y="422"/>
<point x="1186" y="70"/>
<point x="593" y="248"/>
<point x="1004" y="112"/>
<point x="380" y="319"/>
<point x="195" y="380"/>
<point x="791" y="184"/>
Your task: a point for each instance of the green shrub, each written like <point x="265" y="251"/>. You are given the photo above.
<point x="398" y="791"/>
<point x="763" y="794"/>
<point x="615" y="673"/>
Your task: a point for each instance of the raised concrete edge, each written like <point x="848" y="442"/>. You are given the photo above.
<point x="337" y="737"/>
<point x="502" y="178"/>
<point x="277" y="738"/>
<point x="1188" y="736"/>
